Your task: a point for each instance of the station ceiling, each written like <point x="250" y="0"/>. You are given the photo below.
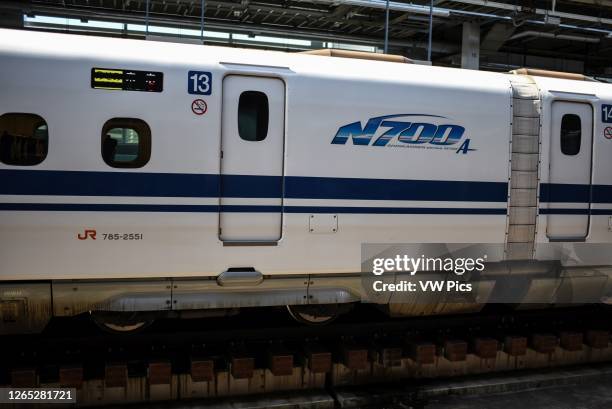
<point x="569" y="35"/>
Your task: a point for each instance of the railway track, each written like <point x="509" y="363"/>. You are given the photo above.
<point x="262" y="354"/>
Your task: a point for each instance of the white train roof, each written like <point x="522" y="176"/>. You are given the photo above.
<point x="72" y="47"/>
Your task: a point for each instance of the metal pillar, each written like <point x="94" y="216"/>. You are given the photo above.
<point x="430" y="30"/>
<point x="202" y="23"/>
<point x="470" y="45"/>
<point x="147" y="21"/>
<point x="387" y="27"/>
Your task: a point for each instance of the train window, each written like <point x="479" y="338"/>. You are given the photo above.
<point x="126" y="143"/>
<point x="570" y="134"/>
<point x="253" y="116"/>
<point x="24" y="139"/>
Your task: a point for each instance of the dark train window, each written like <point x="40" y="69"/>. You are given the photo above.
<point x="24" y="139"/>
<point x="126" y="143"/>
<point x="570" y="134"/>
<point x="253" y="116"/>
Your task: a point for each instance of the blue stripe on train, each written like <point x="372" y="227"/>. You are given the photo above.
<point x="77" y="183"/>
<point x="82" y="207"/>
<point x="573" y="193"/>
<point x="301" y="187"/>
<point x="71" y="183"/>
<point x="98" y="207"/>
<point x="595" y="212"/>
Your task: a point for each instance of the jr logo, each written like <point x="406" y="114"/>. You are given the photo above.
<point x="87" y="234"/>
<point x="409" y="133"/>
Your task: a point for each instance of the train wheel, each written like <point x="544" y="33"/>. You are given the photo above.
<point x="121" y="323"/>
<point x="314" y="314"/>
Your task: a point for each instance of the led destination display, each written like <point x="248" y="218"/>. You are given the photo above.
<point x="127" y="80"/>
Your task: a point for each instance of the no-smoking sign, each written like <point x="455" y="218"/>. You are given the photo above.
<point x="608" y="132"/>
<point x="199" y="107"/>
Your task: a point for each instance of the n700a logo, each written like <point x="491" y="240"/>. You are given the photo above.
<point x="395" y="133"/>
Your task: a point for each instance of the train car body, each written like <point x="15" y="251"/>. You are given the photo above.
<point x="241" y="178"/>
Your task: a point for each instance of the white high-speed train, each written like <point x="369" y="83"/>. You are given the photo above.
<point x="139" y="178"/>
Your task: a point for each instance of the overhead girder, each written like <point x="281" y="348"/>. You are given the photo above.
<point x="258" y="13"/>
<point x="233" y="26"/>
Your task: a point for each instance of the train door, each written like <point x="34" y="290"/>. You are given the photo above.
<point x="571" y="143"/>
<point x="252" y="150"/>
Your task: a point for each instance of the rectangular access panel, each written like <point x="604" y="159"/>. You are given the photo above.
<point x="252" y="150"/>
<point x="571" y="143"/>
